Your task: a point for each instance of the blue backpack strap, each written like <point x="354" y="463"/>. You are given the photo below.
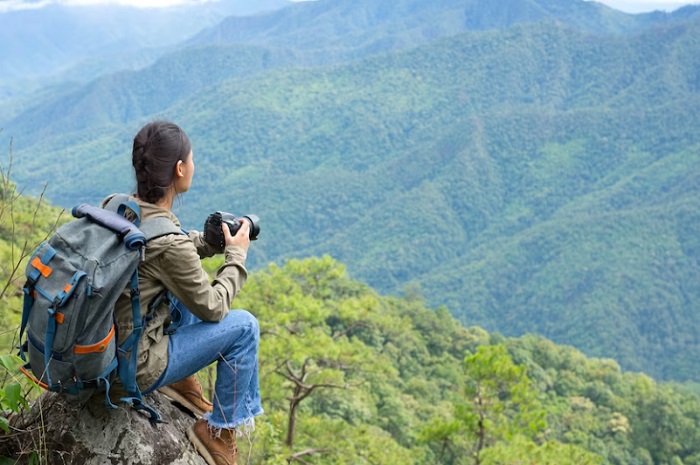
<point x="28" y="291"/>
<point x="176" y="310"/>
<point x="151" y="228"/>
<point x="49" y="339"/>
<point x="127" y="365"/>
<point x="134" y="207"/>
<point x="103" y="381"/>
<point x="37" y="265"/>
<point x="119" y="204"/>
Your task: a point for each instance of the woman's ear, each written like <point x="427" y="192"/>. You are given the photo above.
<point x="179" y="169"/>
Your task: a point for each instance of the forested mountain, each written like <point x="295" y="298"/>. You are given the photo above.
<point x="365" y="25"/>
<point x="352" y="377"/>
<point x="58" y="43"/>
<point x="391" y="382"/>
<point x="537" y="177"/>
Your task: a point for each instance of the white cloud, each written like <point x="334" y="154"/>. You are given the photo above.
<point x="630" y="6"/>
<point x="10" y="5"/>
<point x="639" y="6"/>
<point x="137" y="3"/>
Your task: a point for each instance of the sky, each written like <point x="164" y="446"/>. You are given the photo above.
<point x="630" y="6"/>
<point x="639" y="6"/>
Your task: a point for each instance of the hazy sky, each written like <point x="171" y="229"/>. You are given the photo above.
<point x="632" y="6"/>
<point x="638" y="6"/>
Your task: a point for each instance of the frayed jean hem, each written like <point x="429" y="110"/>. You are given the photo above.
<point x="243" y="427"/>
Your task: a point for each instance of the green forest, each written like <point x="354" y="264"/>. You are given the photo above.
<point x="349" y="376"/>
<point x="480" y="221"/>
<point x="536" y="178"/>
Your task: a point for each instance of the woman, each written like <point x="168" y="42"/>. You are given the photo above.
<point x="171" y="278"/>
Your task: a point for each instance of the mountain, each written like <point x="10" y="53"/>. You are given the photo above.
<point x="365" y="25"/>
<point x="390" y="367"/>
<point x="78" y="43"/>
<point x="361" y="378"/>
<point x="536" y="177"/>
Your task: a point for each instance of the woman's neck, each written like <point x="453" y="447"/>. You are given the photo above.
<point x="167" y="201"/>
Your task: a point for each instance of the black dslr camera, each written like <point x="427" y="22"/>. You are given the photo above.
<point x="213" y="233"/>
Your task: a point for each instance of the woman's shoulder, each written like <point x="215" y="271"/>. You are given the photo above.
<point x="173" y="253"/>
<point x="117" y="197"/>
<point x="171" y="241"/>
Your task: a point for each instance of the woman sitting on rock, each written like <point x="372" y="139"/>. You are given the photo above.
<point x="175" y="287"/>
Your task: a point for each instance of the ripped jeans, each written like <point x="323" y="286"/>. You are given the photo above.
<point x="232" y="343"/>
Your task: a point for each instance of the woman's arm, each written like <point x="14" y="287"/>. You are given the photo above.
<point x="204" y="249"/>
<point x="184" y="276"/>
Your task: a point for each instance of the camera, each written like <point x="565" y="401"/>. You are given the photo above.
<point x="214" y="235"/>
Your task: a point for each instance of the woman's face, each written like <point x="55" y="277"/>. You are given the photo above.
<point x="185" y="171"/>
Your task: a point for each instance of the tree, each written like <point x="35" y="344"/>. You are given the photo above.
<point x="301" y="389"/>
<point x="524" y="451"/>
<point x="500" y="405"/>
<point x="501" y="400"/>
<point x="293" y="306"/>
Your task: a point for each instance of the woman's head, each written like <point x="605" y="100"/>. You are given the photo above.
<point x="162" y="160"/>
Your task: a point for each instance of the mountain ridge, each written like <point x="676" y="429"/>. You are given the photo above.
<point x="58" y="43"/>
<point x="445" y="17"/>
<point x="459" y="165"/>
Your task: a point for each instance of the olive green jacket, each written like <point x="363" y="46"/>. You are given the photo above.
<point x="172" y="262"/>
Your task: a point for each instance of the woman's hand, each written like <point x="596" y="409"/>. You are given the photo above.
<point x="242" y="237"/>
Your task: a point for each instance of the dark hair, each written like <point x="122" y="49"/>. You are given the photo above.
<point x="158" y="147"/>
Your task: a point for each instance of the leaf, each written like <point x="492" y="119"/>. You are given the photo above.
<point x="5" y="426"/>
<point x="13" y="397"/>
<point x="9" y="362"/>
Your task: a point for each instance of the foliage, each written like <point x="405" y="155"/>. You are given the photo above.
<point x="395" y="382"/>
<point x="24" y="223"/>
<point x="11" y="396"/>
<point x="500" y="406"/>
<point x="524" y="452"/>
<point x="412" y="385"/>
<point x="532" y="178"/>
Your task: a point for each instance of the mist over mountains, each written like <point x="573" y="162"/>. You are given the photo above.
<point x="59" y="43"/>
<point x="532" y="165"/>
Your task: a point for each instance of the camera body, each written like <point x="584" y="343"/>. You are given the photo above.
<point x="214" y="234"/>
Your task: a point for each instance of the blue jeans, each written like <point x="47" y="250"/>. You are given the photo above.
<point x="232" y="343"/>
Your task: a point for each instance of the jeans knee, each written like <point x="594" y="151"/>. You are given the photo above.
<point x="247" y="319"/>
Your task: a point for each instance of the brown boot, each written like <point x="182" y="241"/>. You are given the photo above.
<point x="189" y="393"/>
<point x="217" y="447"/>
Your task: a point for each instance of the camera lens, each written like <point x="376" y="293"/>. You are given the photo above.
<point x="254" y="226"/>
<point x="235" y="224"/>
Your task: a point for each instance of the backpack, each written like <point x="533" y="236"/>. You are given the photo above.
<point x="73" y="282"/>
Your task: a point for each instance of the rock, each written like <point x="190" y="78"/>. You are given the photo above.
<point x="91" y="434"/>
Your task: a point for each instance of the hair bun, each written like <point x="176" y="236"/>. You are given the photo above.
<point x="157" y="149"/>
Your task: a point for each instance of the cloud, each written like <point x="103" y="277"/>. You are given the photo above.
<point x="630" y="6"/>
<point x="10" y="5"/>
<point x="640" y="6"/>
<point x="13" y="5"/>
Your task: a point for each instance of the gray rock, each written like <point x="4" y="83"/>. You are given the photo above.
<point x="91" y="434"/>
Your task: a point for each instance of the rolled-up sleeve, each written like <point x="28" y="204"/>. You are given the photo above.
<point x="184" y="276"/>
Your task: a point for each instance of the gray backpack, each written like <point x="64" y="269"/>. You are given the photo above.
<point x="73" y="282"/>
